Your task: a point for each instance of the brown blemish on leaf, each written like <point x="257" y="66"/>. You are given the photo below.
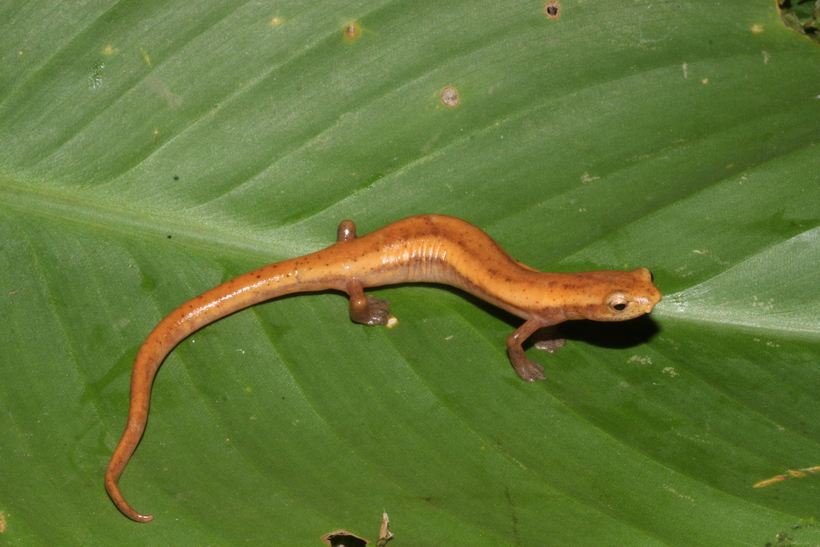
<point x="789" y="473"/>
<point x="2" y="523"/>
<point x="385" y="535"/>
<point x="352" y="31"/>
<point x="343" y="538"/>
<point x="449" y="96"/>
<point x="552" y="9"/>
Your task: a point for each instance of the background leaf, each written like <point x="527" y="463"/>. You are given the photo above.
<point x="152" y="150"/>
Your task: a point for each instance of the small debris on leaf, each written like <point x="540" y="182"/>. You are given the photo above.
<point x="449" y="96"/>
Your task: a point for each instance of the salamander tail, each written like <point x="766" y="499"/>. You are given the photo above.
<point x="113" y="489"/>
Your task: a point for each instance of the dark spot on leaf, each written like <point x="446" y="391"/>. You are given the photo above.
<point x="552" y="9"/>
<point x="343" y="538"/>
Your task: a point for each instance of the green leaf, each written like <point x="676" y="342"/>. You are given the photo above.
<point x="152" y="150"/>
<point x="802" y="16"/>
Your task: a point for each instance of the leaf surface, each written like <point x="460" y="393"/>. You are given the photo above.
<point x="153" y="150"/>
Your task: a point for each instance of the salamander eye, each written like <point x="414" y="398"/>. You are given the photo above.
<point x="618" y="303"/>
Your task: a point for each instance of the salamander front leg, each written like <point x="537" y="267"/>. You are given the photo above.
<point x="526" y="368"/>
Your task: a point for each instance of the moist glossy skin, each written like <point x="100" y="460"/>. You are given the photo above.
<point x="430" y="248"/>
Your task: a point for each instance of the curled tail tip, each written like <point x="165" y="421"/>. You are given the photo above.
<point x="116" y="496"/>
<point x="129" y="512"/>
<point x="142" y="518"/>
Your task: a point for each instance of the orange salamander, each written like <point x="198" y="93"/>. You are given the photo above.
<point x="429" y="248"/>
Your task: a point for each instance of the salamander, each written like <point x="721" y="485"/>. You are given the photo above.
<point x="428" y="248"/>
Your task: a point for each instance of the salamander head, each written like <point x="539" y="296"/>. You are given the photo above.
<point x="617" y="295"/>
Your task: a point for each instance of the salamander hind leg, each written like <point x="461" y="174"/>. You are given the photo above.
<point x="346" y="231"/>
<point x="367" y="310"/>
